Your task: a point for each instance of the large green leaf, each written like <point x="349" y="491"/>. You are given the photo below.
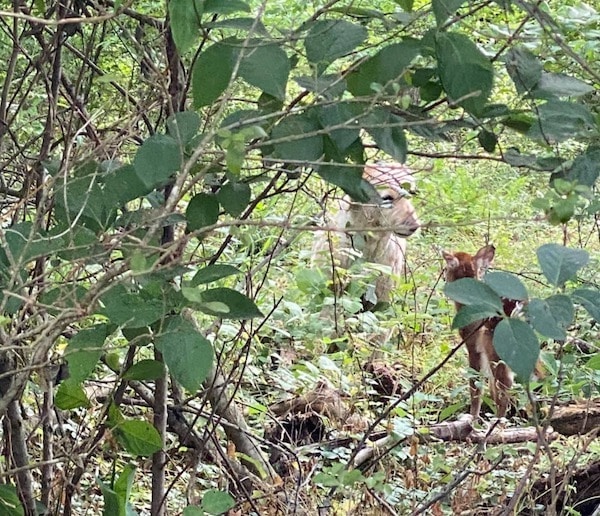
<point x="184" y="17"/>
<point x="349" y="178"/>
<point x="384" y="68"/>
<point x="341" y="120"/>
<point x="472" y="313"/>
<point x="157" y="159"/>
<point x="266" y="66"/>
<point x="585" y="169"/>
<point x="467" y="75"/>
<point x="551" y="316"/>
<point x="212" y="73"/>
<point x="443" y="9"/>
<point x="590" y="300"/>
<point x="116" y="498"/>
<point x="296" y="139"/>
<point x="24" y="242"/>
<point x="518" y="346"/>
<point x="222" y="302"/>
<point x="123" y="185"/>
<point x="560" y="85"/>
<point x="220" y="7"/>
<point x="145" y="370"/>
<point x="327" y="40"/>
<point x="560" y="264"/>
<point x="212" y="273"/>
<point x="523" y="68"/>
<point x="139" y="438"/>
<point x="70" y="395"/>
<point x="10" y="504"/>
<point x="217" y="502"/>
<point x="387" y="130"/>
<point x="188" y="355"/>
<point x="84" y="351"/>
<point x="202" y="211"/>
<point x="131" y="309"/>
<point x="183" y="126"/>
<point x="506" y="285"/>
<point x="234" y="196"/>
<point x="469" y="291"/>
<point x="560" y="120"/>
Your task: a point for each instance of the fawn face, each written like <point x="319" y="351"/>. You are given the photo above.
<point x="478" y="336"/>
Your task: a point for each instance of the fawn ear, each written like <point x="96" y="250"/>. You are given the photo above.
<point x="483" y="258"/>
<point x="451" y="260"/>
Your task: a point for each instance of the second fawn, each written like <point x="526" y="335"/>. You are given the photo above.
<point x="478" y="335"/>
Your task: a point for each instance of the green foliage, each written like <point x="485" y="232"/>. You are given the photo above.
<point x="517" y="345"/>
<point x="116" y="496"/>
<point x="216" y="502"/>
<point x="139" y="438"/>
<point x="560" y="264"/>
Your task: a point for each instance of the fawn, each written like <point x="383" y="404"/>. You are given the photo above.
<point x="478" y="335"/>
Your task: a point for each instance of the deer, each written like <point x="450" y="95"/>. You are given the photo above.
<point x="478" y="336"/>
<point x="394" y="213"/>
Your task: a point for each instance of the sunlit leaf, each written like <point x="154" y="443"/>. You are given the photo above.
<point x="472" y="313"/>
<point x="551" y="316"/>
<point x="139" y="438"/>
<point x="84" y="351"/>
<point x="184" y="16"/>
<point x="217" y="502"/>
<point x="70" y="395"/>
<point x="469" y="291"/>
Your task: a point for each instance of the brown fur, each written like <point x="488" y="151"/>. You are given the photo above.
<point x="396" y="213"/>
<point x="478" y="335"/>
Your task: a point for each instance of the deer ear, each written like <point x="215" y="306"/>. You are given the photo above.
<point x="484" y="257"/>
<point x="451" y="260"/>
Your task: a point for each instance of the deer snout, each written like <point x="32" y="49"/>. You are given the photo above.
<point x="408" y="228"/>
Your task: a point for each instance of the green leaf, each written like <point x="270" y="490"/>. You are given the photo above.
<point x="560" y="85"/>
<point x="594" y="362"/>
<point x="116" y="499"/>
<point x="184" y="16"/>
<point x="560" y="120"/>
<point x="228" y="7"/>
<point x="341" y="120"/>
<point x="212" y="273"/>
<point x="188" y="355"/>
<point x="469" y="291"/>
<point x="472" y="313"/>
<point x="212" y="73"/>
<point x="217" y="502"/>
<point x="523" y="68"/>
<point x="202" y="211"/>
<point x="183" y="126"/>
<point x="139" y="438"/>
<point x="145" y="370"/>
<point x="10" y="504"/>
<point x="386" y="67"/>
<point x="223" y="302"/>
<point x="244" y="24"/>
<point x="585" y="169"/>
<point x="70" y="395"/>
<point x="123" y="185"/>
<point x="506" y="285"/>
<point x="266" y="66"/>
<point x="443" y="9"/>
<point x="296" y="139"/>
<point x="327" y="40"/>
<point x="518" y="346"/>
<point x="590" y="300"/>
<point x="131" y="310"/>
<point x="193" y="510"/>
<point x="349" y="178"/>
<point x="387" y="130"/>
<point x="84" y="351"/>
<point x="551" y="316"/>
<point x="560" y="264"/>
<point x="234" y="197"/>
<point x="157" y="160"/>
<point x="467" y="75"/>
